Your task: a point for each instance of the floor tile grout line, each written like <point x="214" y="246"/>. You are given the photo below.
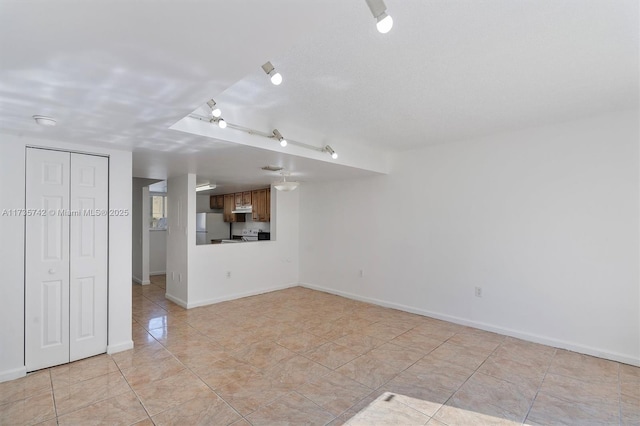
<point x="540" y="385"/>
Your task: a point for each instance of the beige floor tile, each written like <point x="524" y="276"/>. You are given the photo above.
<point x="334" y="392"/>
<point x="506" y="368"/>
<point x="147" y="373"/>
<point x="584" y="367"/>
<point x="493" y="397"/>
<point x="263" y="354"/>
<point x="396" y="356"/>
<point x="85" y="369"/>
<point x="145" y="422"/>
<point x="369" y="371"/>
<point x="460" y="355"/>
<point x="388" y="410"/>
<point x="571" y="389"/>
<point x="630" y="410"/>
<point x="169" y="392"/>
<point x="250" y="393"/>
<point x="548" y="409"/>
<point x="332" y="355"/>
<point x="32" y="384"/>
<point x="29" y="411"/>
<point x="383" y="331"/>
<point x="480" y="341"/>
<point x="630" y="380"/>
<point x="301" y="341"/>
<point x="418" y="341"/>
<point x="205" y="410"/>
<point x="295" y="371"/>
<point x="124" y="409"/>
<point x="227" y="369"/>
<point x="359" y="342"/>
<point x="141" y="355"/>
<point x="81" y="394"/>
<point x="290" y="409"/>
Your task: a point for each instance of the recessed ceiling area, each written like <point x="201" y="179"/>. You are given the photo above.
<point x="124" y="75"/>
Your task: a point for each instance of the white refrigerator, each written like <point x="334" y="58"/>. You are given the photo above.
<point x="210" y="226"/>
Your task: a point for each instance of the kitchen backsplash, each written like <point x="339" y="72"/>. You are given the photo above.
<point x="249" y="224"/>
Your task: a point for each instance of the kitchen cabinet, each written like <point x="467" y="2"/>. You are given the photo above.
<point x="260" y="212"/>
<point x="238" y="198"/>
<point x="246" y="198"/>
<point x="268" y="205"/>
<point x="216" y="202"/>
<point x="229" y="206"/>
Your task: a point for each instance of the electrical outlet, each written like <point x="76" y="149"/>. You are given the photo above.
<point x="228" y="274"/>
<point x="478" y="291"/>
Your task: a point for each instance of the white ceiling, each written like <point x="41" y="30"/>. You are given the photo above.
<point x="119" y="74"/>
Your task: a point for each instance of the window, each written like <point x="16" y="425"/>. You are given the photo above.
<point x="158" y="208"/>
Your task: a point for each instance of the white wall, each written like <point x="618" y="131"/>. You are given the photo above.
<point x="202" y="204"/>
<point x="139" y="230"/>
<point x="255" y="267"/>
<point x="157" y="252"/>
<point x="180" y="234"/>
<point x="545" y="220"/>
<point x="12" y="184"/>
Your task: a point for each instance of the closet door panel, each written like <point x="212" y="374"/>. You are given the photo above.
<point x="88" y="256"/>
<point x="47" y="259"/>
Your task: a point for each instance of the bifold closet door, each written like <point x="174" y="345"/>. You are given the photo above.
<point x="65" y="257"/>
<point x="47" y="259"/>
<point x="88" y="256"/>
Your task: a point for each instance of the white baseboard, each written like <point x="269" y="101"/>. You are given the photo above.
<point x="158" y="273"/>
<point x="119" y="347"/>
<point x="12" y="374"/>
<point x="236" y="296"/>
<point x="544" y="340"/>
<point x="176" y="300"/>
<point x="139" y="281"/>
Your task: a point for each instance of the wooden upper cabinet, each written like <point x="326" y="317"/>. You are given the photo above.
<point x="268" y="205"/>
<point x="238" y="198"/>
<point x="260" y="208"/>
<point x="229" y="206"/>
<point x="216" y="202"/>
<point x="246" y="198"/>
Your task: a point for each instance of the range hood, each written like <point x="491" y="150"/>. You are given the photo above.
<point x="242" y="209"/>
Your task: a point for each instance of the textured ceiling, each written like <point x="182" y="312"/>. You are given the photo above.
<point x="119" y="74"/>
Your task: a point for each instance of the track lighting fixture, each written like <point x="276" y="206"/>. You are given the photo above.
<point x="215" y="111"/>
<point x="331" y="152"/>
<point x="275" y="76"/>
<point x="278" y="136"/>
<point x="219" y="121"/>
<point x="275" y="134"/>
<point x="379" y="10"/>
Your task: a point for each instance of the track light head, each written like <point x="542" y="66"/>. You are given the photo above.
<point x="384" y="22"/>
<point x="275" y="76"/>
<point x="278" y="136"/>
<point x="331" y="152"/>
<point x="219" y="121"/>
<point x="215" y="111"/>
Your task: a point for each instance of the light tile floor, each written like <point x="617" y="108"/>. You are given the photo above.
<point x="299" y="356"/>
